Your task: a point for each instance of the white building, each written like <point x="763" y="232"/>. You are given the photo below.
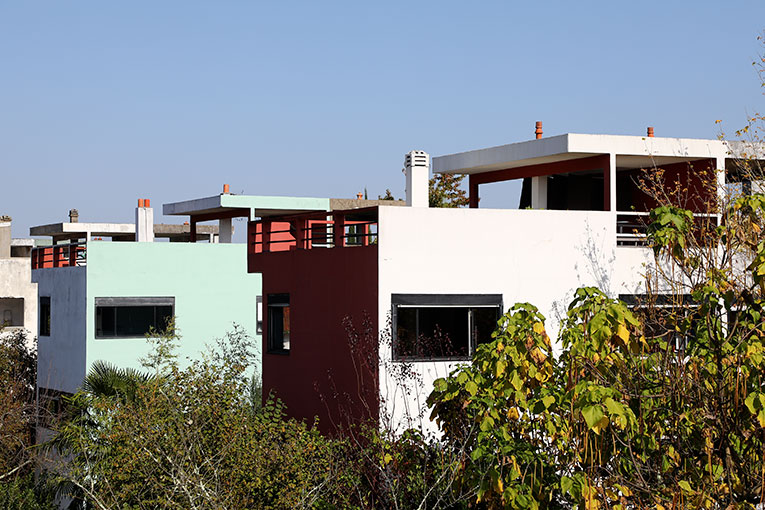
<point x="18" y="295"/>
<point x="413" y="290"/>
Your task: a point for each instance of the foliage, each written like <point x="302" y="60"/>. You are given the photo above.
<point x="21" y="493"/>
<point x="191" y="438"/>
<point x="18" y="377"/>
<point x="630" y="414"/>
<point x="444" y="191"/>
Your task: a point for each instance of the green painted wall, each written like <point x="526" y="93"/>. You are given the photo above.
<point x="209" y="282"/>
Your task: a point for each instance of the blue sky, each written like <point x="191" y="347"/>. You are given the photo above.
<point x="105" y="102"/>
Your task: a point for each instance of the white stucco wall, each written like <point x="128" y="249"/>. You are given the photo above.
<point x="61" y="356"/>
<point x="16" y="282"/>
<point x="534" y="256"/>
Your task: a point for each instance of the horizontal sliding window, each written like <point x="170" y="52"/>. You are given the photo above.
<point x="442" y="326"/>
<point x="132" y="317"/>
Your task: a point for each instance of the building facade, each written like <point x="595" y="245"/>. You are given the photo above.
<point x="365" y="309"/>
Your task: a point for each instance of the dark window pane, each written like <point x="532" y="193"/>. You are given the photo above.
<point x="131" y="321"/>
<point x="163" y="316"/>
<point x="406" y="332"/>
<point x="484" y="324"/>
<point x="44" y="316"/>
<point x="443" y="332"/>
<point x="134" y="320"/>
<point x="105" y="321"/>
<point x="278" y="322"/>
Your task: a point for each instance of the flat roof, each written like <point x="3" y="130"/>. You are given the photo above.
<point x="630" y="151"/>
<point x="127" y="230"/>
<point x="227" y="204"/>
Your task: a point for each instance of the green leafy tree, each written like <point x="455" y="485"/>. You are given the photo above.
<point x="444" y="190"/>
<point x="18" y="414"/>
<point x="634" y="412"/>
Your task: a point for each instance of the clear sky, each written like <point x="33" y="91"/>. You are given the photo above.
<point x="105" y="102"/>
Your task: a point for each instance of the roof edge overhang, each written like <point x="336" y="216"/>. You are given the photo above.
<point x="572" y="146"/>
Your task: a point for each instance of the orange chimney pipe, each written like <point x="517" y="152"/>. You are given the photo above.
<point x="140" y="202"/>
<point x="650" y="131"/>
<point x="538" y="130"/>
<point x="226" y="188"/>
<point x="147" y="202"/>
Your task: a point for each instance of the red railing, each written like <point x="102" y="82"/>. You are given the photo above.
<point x="59" y="255"/>
<point x="356" y="227"/>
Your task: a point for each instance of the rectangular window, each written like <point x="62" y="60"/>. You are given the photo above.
<point x="259" y="314"/>
<point x="278" y="323"/>
<point x="11" y="312"/>
<point x="662" y="314"/>
<point x="442" y="326"/>
<point x="44" y="313"/>
<point x="132" y="317"/>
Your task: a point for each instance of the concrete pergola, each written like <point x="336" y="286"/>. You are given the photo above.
<point x="75" y="231"/>
<point x="537" y="159"/>
<point x="226" y="206"/>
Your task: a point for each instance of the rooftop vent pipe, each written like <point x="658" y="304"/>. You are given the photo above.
<point x="538" y="130"/>
<point x="650" y="131"/>
<point x="417" y="171"/>
<point x="144" y="221"/>
<point x="5" y="237"/>
<point x="74" y="215"/>
<point x="226" y="189"/>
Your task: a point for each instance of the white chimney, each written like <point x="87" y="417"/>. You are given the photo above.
<point x="144" y="221"/>
<point x="417" y="170"/>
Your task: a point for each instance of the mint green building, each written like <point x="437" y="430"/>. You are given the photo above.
<point x="102" y="285"/>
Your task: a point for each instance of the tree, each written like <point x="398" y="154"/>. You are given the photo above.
<point x="18" y="414"/>
<point x="660" y="403"/>
<point x="191" y="438"/>
<point x="444" y="191"/>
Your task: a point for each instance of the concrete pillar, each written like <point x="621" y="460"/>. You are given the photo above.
<point x="5" y="237"/>
<point x="144" y="223"/>
<point x="539" y="192"/>
<point x="417" y="171"/>
<point x="721" y="191"/>
<point x="611" y="183"/>
<point x="225" y="230"/>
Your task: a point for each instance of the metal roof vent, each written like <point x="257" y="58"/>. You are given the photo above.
<point x="417" y="158"/>
<point x="417" y="171"/>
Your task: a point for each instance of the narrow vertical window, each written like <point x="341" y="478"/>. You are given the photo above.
<point x="259" y="314"/>
<point x="44" y="313"/>
<point x="278" y="323"/>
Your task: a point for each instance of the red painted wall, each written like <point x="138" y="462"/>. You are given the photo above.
<point x="322" y="375"/>
<point x="691" y="177"/>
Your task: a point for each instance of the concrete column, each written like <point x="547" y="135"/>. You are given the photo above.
<point x="611" y="182"/>
<point x="144" y="224"/>
<point x="225" y="230"/>
<point x="721" y="191"/>
<point x="539" y="192"/>
<point x="417" y="170"/>
<point x="5" y="238"/>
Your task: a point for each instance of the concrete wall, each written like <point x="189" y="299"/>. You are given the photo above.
<point x="209" y="282"/>
<point x="328" y="372"/>
<point x="534" y="256"/>
<point x="61" y="356"/>
<point x="16" y="282"/>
